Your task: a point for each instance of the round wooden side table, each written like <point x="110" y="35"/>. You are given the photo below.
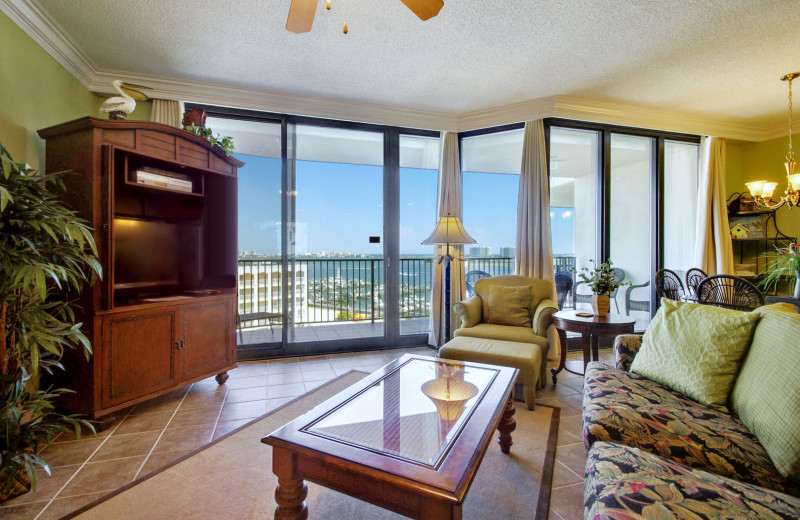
<point x="590" y="328"/>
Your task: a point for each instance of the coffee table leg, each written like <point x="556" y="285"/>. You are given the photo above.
<point x="291" y="492"/>
<point x="506" y="426"/>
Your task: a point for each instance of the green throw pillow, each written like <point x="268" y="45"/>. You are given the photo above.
<point x="695" y="349"/>
<point x="510" y="305"/>
<point x="766" y="396"/>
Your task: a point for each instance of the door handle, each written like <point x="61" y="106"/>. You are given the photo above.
<point x="179" y="345"/>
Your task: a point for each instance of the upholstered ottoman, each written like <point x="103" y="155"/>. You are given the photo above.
<point x="526" y="357"/>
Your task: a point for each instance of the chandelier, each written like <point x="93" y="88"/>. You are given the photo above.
<point x="762" y="190"/>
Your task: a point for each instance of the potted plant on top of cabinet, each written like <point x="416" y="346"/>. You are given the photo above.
<point x="47" y="255"/>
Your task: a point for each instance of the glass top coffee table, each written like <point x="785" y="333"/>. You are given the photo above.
<point x="408" y="438"/>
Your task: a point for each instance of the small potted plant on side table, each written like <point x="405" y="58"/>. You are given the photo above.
<point x="602" y="282"/>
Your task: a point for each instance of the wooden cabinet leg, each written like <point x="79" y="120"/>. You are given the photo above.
<point x="101" y="424"/>
<point x="221" y="378"/>
<point x="506" y="426"/>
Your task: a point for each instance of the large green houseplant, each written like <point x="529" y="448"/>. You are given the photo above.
<point x="47" y="255"/>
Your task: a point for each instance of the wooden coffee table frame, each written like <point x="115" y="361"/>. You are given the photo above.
<point x="411" y="489"/>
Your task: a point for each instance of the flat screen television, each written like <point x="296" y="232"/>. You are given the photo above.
<point x="154" y="255"/>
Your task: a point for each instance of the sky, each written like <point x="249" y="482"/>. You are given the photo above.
<point x="339" y="206"/>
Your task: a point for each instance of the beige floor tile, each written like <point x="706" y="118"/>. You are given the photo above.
<point x="21" y="511"/>
<point x="290" y="390"/>
<point x="46" y="486"/>
<point x="188" y="438"/>
<point x="247" y="382"/>
<point x="159" y="460"/>
<point x="567" y="501"/>
<point x="563" y="476"/>
<point x="68" y="453"/>
<point x="224" y="428"/>
<point x="144" y="422"/>
<point x="572" y="456"/>
<point x="572" y="424"/>
<point x="121" y="446"/>
<point x="246" y="394"/>
<point x="318" y="375"/>
<point x="204" y="399"/>
<point x="103" y="476"/>
<point x="281" y="378"/>
<point x="63" y="506"/>
<point x="245" y="410"/>
<point x="194" y="416"/>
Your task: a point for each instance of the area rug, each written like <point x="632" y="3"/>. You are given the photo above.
<point x="232" y="477"/>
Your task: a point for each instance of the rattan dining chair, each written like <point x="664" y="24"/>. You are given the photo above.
<point x="694" y="276"/>
<point x="731" y="292"/>
<point x="669" y="285"/>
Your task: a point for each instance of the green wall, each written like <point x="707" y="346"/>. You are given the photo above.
<point x="756" y="161"/>
<point x="37" y="92"/>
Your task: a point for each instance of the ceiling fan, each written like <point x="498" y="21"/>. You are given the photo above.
<point x="301" y="12"/>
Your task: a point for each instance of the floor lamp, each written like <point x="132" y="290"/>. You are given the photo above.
<point x="449" y="231"/>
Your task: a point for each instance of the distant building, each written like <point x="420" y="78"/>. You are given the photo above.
<point x="260" y="289"/>
<point x="480" y="251"/>
<point x="508" y="252"/>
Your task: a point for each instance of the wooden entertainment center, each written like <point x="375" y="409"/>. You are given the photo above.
<point x="164" y="314"/>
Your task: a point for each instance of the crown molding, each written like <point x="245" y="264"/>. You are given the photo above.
<point x="514" y="113"/>
<point x="47" y="33"/>
<point x="253" y="99"/>
<point x="568" y="107"/>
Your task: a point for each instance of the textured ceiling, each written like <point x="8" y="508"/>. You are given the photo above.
<point x="719" y="58"/>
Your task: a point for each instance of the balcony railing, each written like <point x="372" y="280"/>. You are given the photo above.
<point x="328" y="290"/>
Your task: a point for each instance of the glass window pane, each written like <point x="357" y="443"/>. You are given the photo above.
<point x="490" y="184"/>
<point x="629" y="199"/>
<point x="574" y="167"/>
<point x="258" y="145"/>
<point x="419" y="173"/>
<point x="338" y="206"/>
<point x="680" y="204"/>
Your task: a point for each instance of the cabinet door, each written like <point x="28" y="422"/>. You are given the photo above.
<point x="138" y="353"/>
<point x="208" y="337"/>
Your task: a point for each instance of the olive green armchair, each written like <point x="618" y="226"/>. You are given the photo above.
<point x="503" y="309"/>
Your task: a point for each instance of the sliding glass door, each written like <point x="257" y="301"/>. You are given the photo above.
<point x="418" y="179"/>
<point x="330" y="224"/>
<point x="574" y="171"/>
<point x="335" y="230"/>
<point x="630" y="221"/>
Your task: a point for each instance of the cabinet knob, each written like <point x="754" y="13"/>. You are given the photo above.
<point x="179" y="345"/>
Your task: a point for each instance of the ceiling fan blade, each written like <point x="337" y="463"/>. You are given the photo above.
<point x="301" y="15"/>
<point x="425" y="9"/>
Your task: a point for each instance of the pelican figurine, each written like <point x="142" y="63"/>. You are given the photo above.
<point x="118" y="107"/>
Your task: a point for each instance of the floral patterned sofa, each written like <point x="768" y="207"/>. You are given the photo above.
<point x="655" y="453"/>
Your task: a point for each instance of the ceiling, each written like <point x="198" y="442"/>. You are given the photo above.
<point x="718" y="59"/>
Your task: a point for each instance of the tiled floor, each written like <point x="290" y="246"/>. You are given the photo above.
<point x="154" y="433"/>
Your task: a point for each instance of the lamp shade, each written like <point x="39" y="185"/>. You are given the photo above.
<point x="449" y="230"/>
<point x="449" y="396"/>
